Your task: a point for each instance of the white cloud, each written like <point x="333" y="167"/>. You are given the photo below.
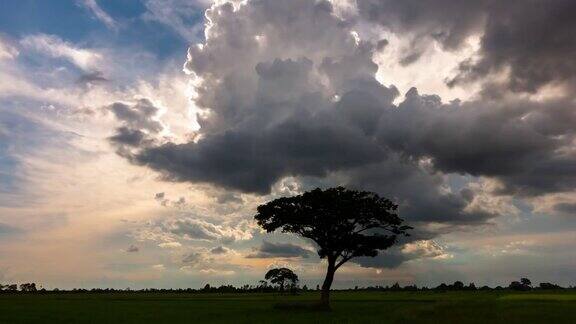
<point x="55" y="47"/>
<point x="99" y="13"/>
<point x="425" y="249"/>
<point x="178" y="15"/>
<point x="7" y="51"/>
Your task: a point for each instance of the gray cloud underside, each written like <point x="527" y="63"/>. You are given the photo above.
<point x="291" y="92"/>
<point x="279" y="250"/>
<point x="534" y="39"/>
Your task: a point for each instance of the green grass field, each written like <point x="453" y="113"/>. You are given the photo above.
<point x="348" y="307"/>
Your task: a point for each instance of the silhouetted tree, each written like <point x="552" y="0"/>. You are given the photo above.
<point x="281" y="276"/>
<point x="263" y="284"/>
<point x="547" y="285"/>
<point x="28" y="287"/>
<point x="517" y="285"/>
<point x="526" y="282"/>
<point x="343" y="223"/>
<point x="458" y="285"/>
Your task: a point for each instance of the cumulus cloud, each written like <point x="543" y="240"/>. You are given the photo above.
<point x="279" y="250"/>
<point x="533" y="61"/>
<point x="270" y="116"/>
<point x="527" y="40"/>
<point x="524" y="144"/>
<point x="298" y="98"/>
<point x="138" y="123"/>
<point x="313" y="109"/>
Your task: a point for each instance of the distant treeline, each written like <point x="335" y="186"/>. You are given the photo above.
<point x="523" y="284"/>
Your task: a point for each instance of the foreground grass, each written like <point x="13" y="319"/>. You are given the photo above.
<point x="348" y="307"/>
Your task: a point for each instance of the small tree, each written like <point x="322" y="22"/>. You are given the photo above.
<point x="526" y="282"/>
<point x="281" y="276"/>
<point x="343" y="223"/>
<point x="28" y="287"/>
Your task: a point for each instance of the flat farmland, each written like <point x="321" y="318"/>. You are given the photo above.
<point x="348" y="307"/>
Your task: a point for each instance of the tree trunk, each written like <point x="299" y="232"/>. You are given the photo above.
<point x="325" y="294"/>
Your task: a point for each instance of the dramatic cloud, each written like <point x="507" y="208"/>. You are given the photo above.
<point x="526" y="145"/>
<point x="299" y="98"/>
<point x="313" y="109"/>
<point x="138" y="120"/>
<point x="282" y="96"/>
<point x="279" y="250"/>
<point x="532" y="39"/>
<point x="528" y="40"/>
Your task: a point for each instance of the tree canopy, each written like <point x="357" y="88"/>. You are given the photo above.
<point x="343" y="223"/>
<point x="279" y="276"/>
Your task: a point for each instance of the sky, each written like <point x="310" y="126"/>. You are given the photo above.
<point x="137" y="137"/>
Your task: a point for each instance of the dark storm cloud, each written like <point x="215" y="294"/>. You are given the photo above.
<point x="139" y="116"/>
<point x="219" y="250"/>
<point x="252" y="161"/>
<point x="417" y="193"/>
<point x="279" y="250"/>
<point x="138" y="124"/>
<point x="298" y="97"/>
<point x="127" y="136"/>
<point x="132" y="249"/>
<point x="534" y="39"/>
<point x="524" y="144"/>
<point x="566" y="208"/>
<point x="391" y="258"/>
<point x="445" y="20"/>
